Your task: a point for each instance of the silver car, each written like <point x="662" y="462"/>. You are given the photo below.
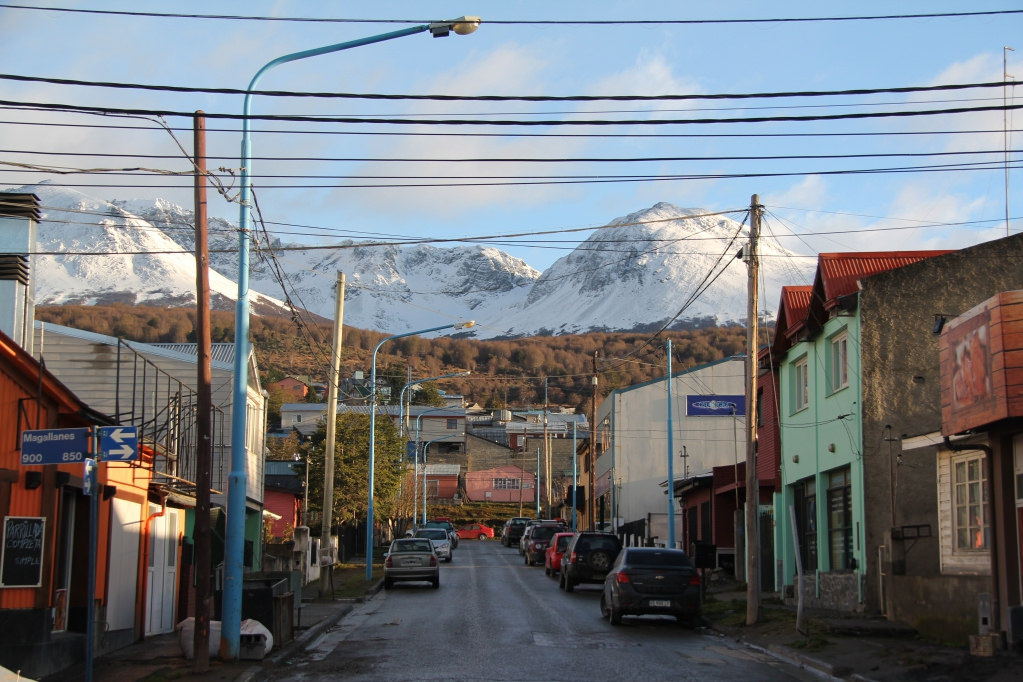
<point x="439" y="538"/>
<point x="411" y="559"/>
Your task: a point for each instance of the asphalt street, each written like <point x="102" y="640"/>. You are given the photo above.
<point x="494" y="618"/>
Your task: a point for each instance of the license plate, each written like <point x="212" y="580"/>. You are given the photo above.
<point x="410" y="562"/>
<point x="663" y="603"/>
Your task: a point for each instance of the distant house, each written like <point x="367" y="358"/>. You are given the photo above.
<point x="294" y="389"/>
<point x="507" y="483"/>
<point x="284" y="495"/>
<point x="442" y="482"/>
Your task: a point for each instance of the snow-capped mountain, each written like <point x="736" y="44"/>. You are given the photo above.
<point x="664" y="264"/>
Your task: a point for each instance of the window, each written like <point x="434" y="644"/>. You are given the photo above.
<point x="452" y="424"/>
<point x="506" y="484"/>
<point x="800" y="385"/>
<point x="298" y="418"/>
<point x="969" y="499"/>
<point x="839" y="361"/>
<point x="840" y="520"/>
<point x="805" y="502"/>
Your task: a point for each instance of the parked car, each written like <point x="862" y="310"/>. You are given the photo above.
<point x="651" y="580"/>
<point x="555" y="549"/>
<point x="411" y="559"/>
<point x="588" y="558"/>
<point x="527" y="531"/>
<point x="540" y="536"/>
<point x="448" y="526"/>
<point x="439" y="538"/>
<point x="512" y="531"/>
<point x="476" y="531"/>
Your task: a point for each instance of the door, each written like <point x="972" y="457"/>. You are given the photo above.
<point x="162" y="570"/>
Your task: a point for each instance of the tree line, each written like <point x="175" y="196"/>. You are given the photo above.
<point x="504" y="372"/>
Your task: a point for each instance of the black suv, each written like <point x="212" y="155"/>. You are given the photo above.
<point x="588" y="558"/>
<point x="512" y="531"/>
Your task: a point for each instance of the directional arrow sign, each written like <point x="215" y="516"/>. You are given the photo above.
<point x="119" y="443"/>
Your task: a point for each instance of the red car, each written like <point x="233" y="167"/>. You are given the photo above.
<point x="475" y="531"/>
<point x="552" y="557"/>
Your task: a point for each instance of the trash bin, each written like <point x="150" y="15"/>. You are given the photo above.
<point x="268" y="598"/>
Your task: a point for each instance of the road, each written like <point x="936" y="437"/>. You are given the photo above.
<point x="493" y="618"/>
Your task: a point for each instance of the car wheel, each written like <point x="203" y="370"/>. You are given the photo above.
<point x="388" y="583"/>
<point x="561" y="580"/>
<point x="481" y="536"/>
<point x="569" y="585"/>
<point x="546" y="570"/>
<point x="614" y="615"/>
<point x="436" y="583"/>
<point x="600" y="561"/>
<point x="604" y="611"/>
<point x="528" y="562"/>
<point x="450" y="558"/>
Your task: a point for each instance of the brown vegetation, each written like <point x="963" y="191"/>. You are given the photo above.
<point x="504" y="372"/>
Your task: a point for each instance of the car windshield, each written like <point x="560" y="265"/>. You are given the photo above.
<point x="544" y="532"/>
<point x="653" y="557"/>
<point x="432" y="533"/>
<point x="411" y="546"/>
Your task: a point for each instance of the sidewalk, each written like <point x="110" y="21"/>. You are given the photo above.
<point x="853" y="646"/>
<point x="161" y="658"/>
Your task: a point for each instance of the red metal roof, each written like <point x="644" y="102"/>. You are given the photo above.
<point x="795" y="300"/>
<point x="838" y="275"/>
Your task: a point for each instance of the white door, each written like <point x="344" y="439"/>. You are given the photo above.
<point x="161" y="582"/>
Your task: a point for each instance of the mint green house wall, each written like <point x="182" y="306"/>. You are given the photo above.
<point x="818" y="439"/>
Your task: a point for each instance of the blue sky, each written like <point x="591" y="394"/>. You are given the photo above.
<point x="523" y="48"/>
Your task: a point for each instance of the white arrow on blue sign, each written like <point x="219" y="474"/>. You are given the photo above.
<point x="119" y="443"/>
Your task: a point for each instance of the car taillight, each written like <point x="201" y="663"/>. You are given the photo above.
<point x="622" y="577"/>
<point x="571" y="558"/>
<point x="388" y="563"/>
<point x="695" y="580"/>
<point x="433" y="561"/>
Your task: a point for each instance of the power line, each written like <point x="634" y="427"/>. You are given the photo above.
<point x="512" y="22"/>
<point x="511" y="98"/>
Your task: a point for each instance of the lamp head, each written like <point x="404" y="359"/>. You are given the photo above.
<point x="462" y="26"/>
<point x="468" y="324"/>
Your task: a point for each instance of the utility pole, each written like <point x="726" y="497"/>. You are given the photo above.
<point x="546" y="453"/>
<point x="752" y="484"/>
<point x="591" y="500"/>
<point x="204" y="408"/>
<point x="326" y="576"/>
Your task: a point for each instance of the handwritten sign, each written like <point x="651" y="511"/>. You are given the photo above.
<point x="22" y="561"/>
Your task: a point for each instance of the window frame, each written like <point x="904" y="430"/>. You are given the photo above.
<point x="840" y="520"/>
<point x="838" y="374"/>
<point x="975" y="537"/>
<point x="800" y="384"/>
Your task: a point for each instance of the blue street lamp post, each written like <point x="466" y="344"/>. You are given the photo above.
<point x="236" y="492"/>
<point x="401" y="398"/>
<point x="372" y="431"/>
<point x="415" y="504"/>
<point x="426" y="446"/>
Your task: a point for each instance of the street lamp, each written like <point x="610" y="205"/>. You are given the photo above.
<point x="419" y="419"/>
<point x="402" y="426"/>
<point x="426" y="446"/>
<point x="236" y="492"/>
<point x="372" y="430"/>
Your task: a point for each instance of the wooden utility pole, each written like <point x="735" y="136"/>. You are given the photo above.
<point x="327" y="572"/>
<point x="204" y="406"/>
<point x="591" y="499"/>
<point x="752" y="484"/>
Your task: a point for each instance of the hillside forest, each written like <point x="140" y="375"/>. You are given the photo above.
<point x="511" y="372"/>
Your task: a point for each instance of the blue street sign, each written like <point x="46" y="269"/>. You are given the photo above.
<point x="54" y="446"/>
<point x="89" y="477"/>
<point x="119" y="443"/>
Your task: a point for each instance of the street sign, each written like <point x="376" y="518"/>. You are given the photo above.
<point x="89" y="477"/>
<point x="54" y="446"/>
<point x="119" y="443"/>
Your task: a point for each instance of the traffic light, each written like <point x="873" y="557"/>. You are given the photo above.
<point x="580" y="497"/>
